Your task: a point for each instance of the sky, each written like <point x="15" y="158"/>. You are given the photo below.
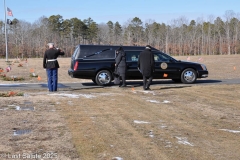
<point x="122" y="11"/>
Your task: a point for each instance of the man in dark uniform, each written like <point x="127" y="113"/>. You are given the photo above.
<point x="121" y="65"/>
<point x="146" y="65"/>
<point x="51" y="64"/>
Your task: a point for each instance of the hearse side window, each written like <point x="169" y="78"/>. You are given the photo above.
<point x="107" y="53"/>
<point x="158" y="57"/>
<point x="132" y="56"/>
<point x="75" y="54"/>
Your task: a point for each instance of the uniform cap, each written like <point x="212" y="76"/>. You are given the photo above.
<point x="50" y="44"/>
<point x="148" y="47"/>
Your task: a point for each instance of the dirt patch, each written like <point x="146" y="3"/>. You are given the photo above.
<point x="31" y="128"/>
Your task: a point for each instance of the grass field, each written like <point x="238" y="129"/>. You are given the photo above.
<point x="185" y="122"/>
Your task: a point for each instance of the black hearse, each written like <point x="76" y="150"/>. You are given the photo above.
<point x="97" y="62"/>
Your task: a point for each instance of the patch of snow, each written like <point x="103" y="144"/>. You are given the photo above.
<point x="140" y="122"/>
<point x="65" y="95"/>
<point x="232" y="131"/>
<point x="72" y="95"/>
<point x="152" y="92"/>
<point x="104" y="94"/>
<point x="20" y="132"/>
<point x="151" y="134"/>
<point x="153" y="101"/>
<point x="18" y="108"/>
<point x="117" y="158"/>
<point x="9" y="84"/>
<point x="183" y="140"/>
<point x="11" y="105"/>
<point x="163" y="126"/>
<point x="165" y="101"/>
<point x="87" y="95"/>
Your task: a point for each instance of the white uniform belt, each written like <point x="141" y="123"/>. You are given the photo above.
<point x="51" y="60"/>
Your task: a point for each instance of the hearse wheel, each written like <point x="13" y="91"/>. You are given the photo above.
<point x="103" y="78"/>
<point x="188" y="76"/>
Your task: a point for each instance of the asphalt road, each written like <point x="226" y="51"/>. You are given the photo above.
<point x="88" y="85"/>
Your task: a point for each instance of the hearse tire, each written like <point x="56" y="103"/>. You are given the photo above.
<point x="188" y="76"/>
<point x="103" y="78"/>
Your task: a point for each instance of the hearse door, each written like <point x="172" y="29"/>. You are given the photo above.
<point x="132" y="65"/>
<point x="165" y="68"/>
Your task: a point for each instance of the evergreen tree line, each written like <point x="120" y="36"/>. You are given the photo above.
<point x="180" y="37"/>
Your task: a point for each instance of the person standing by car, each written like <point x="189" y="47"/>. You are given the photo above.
<point x="146" y="65"/>
<point x="120" y="65"/>
<point x="50" y="63"/>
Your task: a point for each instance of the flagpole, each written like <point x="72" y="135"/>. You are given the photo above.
<point x="6" y="31"/>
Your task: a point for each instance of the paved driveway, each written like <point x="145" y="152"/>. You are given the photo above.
<point x="73" y="86"/>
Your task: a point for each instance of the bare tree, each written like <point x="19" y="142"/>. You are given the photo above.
<point x="228" y="15"/>
<point x="102" y="35"/>
<point x="178" y="37"/>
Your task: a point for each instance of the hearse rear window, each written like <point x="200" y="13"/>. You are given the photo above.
<point x="75" y="54"/>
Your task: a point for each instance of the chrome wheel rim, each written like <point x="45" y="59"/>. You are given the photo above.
<point x="189" y="76"/>
<point x="103" y="78"/>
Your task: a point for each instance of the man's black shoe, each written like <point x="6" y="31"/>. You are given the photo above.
<point x="124" y="85"/>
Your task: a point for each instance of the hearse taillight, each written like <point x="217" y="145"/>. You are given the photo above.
<point x="75" y="66"/>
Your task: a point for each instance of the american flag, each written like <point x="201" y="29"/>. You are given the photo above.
<point x="9" y="12"/>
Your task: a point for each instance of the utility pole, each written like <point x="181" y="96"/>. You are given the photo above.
<point x="6" y="40"/>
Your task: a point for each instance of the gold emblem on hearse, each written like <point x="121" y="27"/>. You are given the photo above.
<point x="163" y="65"/>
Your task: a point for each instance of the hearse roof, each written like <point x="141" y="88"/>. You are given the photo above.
<point x="103" y="51"/>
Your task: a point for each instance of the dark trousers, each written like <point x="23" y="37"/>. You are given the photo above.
<point x="52" y="77"/>
<point x="122" y="73"/>
<point x="123" y="79"/>
<point x="147" y="81"/>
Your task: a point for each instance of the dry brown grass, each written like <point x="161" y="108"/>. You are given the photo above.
<point x="104" y="126"/>
<point x="198" y="122"/>
<point x="36" y="66"/>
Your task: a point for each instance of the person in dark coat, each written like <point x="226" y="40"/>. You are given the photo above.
<point x="146" y="65"/>
<point x="121" y="65"/>
<point x="50" y="63"/>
